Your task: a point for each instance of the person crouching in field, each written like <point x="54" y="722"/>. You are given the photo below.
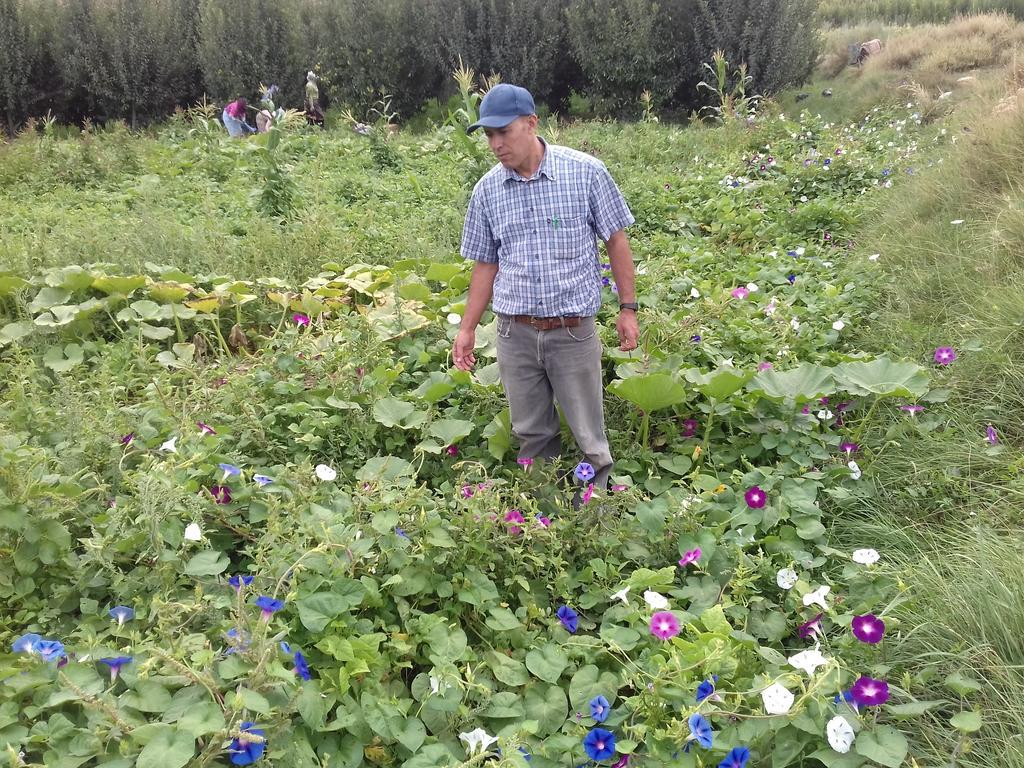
<point x="234" y="119"/>
<point x="314" y="114"/>
<point x="532" y="229"/>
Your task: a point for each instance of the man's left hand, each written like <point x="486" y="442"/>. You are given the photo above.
<point x="629" y="330"/>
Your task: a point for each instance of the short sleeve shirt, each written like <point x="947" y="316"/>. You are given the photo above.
<point x="542" y="233"/>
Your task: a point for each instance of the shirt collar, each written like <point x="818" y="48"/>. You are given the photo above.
<point x="546" y="168"/>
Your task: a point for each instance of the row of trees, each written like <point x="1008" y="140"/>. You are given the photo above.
<point x="912" y="11"/>
<point x="138" y="59"/>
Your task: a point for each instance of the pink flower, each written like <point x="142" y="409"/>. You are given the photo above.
<point x="913" y="410"/>
<point x="664" y="625"/>
<point x="812" y="627"/>
<point x="739" y="292"/>
<point x="991" y="435"/>
<point x="514" y="516"/>
<point x="545" y="522"/>
<point x="300" y="319"/>
<point x="206" y="429"/>
<point x="623" y="761"/>
<point x="467" y="491"/>
<point x="587" y="494"/>
<point x="945" y="355"/>
<point x="868" y="628"/>
<point x="452" y="450"/>
<point x="617" y="488"/>
<point x="524" y="462"/>
<point x="692" y="556"/>
<point x="755" y="497"/>
<point x="690" y="427"/>
<point x="765" y="366"/>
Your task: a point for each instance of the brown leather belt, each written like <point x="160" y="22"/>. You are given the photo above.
<point x="548" y="323"/>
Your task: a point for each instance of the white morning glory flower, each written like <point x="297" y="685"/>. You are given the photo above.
<point x="170" y="446"/>
<point x="193" y="532"/>
<point x="325" y="473"/>
<point x="956" y="222"/>
<point x="840" y="734"/>
<point x="621" y="595"/>
<point x="656" y="600"/>
<point x="794" y="324"/>
<point x="825" y="414"/>
<point x="866" y="556"/>
<point x="454" y="318"/>
<point x="752" y="287"/>
<point x="786" y="578"/>
<point x="477" y="741"/>
<point x="777" y="700"/>
<point x="695" y="293"/>
<point x="817" y="597"/>
<point x="838" y="325"/>
<point x="874" y="257"/>
<point x="808" y="661"/>
<point x="855" y="472"/>
<point x="800" y="251"/>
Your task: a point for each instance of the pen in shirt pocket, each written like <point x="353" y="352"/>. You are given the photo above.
<point x="554" y="222"/>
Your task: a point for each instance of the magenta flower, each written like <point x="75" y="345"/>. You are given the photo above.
<point x="739" y="292"/>
<point x="868" y="692"/>
<point x="811" y="628"/>
<point x="913" y="410"/>
<point x="452" y="450"/>
<point x="664" y="625"/>
<point x="691" y="556"/>
<point x="127" y="439"/>
<point x="764" y="366"/>
<point x="690" y="427"/>
<point x="848" y="447"/>
<point x="755" y="497"/>
<point x="467" y="491"/>
<point x="205" y="429"/>
<point x="945" y="355"/>
<point x="587" y="494"/>
<point x="300" y="319"/>
<point x="544" y="522"/>
<point x="991" y="435"/>
<point x="514" y="516"/>
<point x="617" y="488"/>
<point x="524" y="462"/>
<point x="868" y="628"/>
<point x="221" y="494"/>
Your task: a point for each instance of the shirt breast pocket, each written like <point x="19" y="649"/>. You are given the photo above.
<point x="569" y="234"/>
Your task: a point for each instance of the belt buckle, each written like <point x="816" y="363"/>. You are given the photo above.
<point x="537" y="323"/>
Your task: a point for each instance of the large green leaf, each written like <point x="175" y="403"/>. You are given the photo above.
<point x="387" y="470"/>
<point x="719" y="383"/>
<point x="547" y="663"/>
<point x="547" y="705"/>
<point x="49" y="297"/>
<point x="883" y="377"/>
<point x="588" y="682"/>
<point x="649" y="392"/>
<point x="318" y="610"/>
<point x="209" y="562"/>
<point x="885" y="745"/>
<point x="121" y="285"/>
<point x="170" y="748"/>
<point x="450" y="430"/>
<point x="11" y="283"/>
<point x="499" y="434"/>
<point x="506" y="669"/>
<point x="805" y="382"/>
<point x="14" y="331"/>
<point x="63" y="360"/>
<point x="392" y="412"/>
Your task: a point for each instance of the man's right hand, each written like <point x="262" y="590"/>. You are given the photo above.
<point x="462" y="349"/>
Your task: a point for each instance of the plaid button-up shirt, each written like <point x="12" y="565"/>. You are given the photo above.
<point x="542" y="232"/>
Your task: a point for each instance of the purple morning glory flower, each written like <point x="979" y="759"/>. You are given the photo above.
<point x="791" y="278"/>
<point x="240" y="580"/>
<point x="26" y="643"/>
<point x="945" y="355"/>
<point x="205" y="429"/>
<point x="700" y="730"/>
<point x="401" y="533"/>
<point x="690" y="556"/>
<point x="599" y="744"/>
<point x="262" y="480"/>
<point x="755" y="497"/>
<point x="811" y="628"/>
<point x="695" y="338"/>
<point x="600" y="709"/>
<point x="584" y="472"/>
<point x="301" y="667"/>
<point x="868" y="692"/>
<point x="300" y="319"/>
<point x="690" y="427"/>
<point x="121" y="613"/>
<point x="991" y="435"/>
<point x="913" y="410"/>
<point x="268" y="606"/>
<point x="245" y="751"/>
<point x="868" y="628"/>
<point x="221" y="494"/>
<point x="737" y="758"/>
<point x="115" y="665"/>
<point x="568" y="617"/>
<point x="664" y="625"/>
<point x="127" y="439"/>
<point x="848" y="447"/>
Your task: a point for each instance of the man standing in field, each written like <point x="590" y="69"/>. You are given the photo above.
<point x="532" y="229"/>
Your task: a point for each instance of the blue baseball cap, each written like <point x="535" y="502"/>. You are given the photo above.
<point x="503" y="104"/>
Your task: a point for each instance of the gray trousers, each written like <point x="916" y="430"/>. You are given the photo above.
<point x="564" y="365"/>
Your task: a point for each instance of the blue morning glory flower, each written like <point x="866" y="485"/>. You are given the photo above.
<point x="791" y="278"/>
<point x="26" y="643"/>
<point x="600" y="709"/>
<point x="240" y="580"/>
<point x="268" y="606"/>
<point x="243" y="751"/>
<point x="700" y="730"/>
<point x="706" y="688"/>
<point x="115" y="665"/>
<point x="568" y="617"/>
<point x="584" y="472"/>
<point x="121" y="613"/>
<point x="301" y="667"/>
<point x="526" y="755"/>
<point x="230" y="470"/>
<point x="695" y="338"/>
<point x="737" y="758"/>
<point x="238" y="641"/>
<point x="285" y="647"/>
<point x="599" y="744"/>
<point x="262" y="480"/>
<point x="50" y="650"/>
<point x="886" y="171"/>
<point x="400" y="533"/>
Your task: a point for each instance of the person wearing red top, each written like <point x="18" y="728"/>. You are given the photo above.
<point x="234" y="119"/>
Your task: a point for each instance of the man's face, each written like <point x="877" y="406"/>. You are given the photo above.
<point x="513" y="144"/>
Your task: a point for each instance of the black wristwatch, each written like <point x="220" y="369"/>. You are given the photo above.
<point x="629" y="305"/>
